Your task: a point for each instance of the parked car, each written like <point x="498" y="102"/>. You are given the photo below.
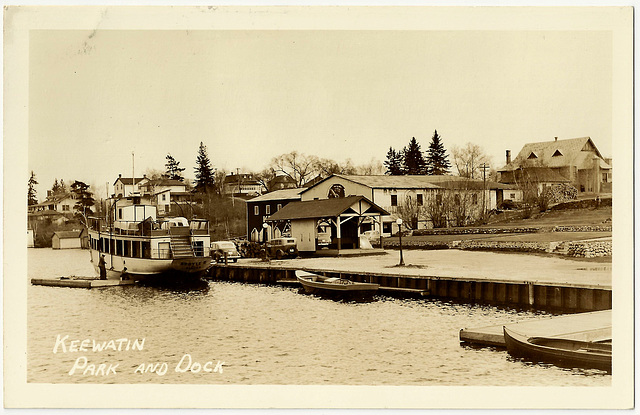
<point x="282" y="248"/>
<point x="220" y="248"/>
<point x="324" y="236"/>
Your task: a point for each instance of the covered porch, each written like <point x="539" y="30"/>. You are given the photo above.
<point x="331" y="225"/>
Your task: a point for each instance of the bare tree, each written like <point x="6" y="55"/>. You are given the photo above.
<point x="468" y="159"/>
<point x="373" y="167"/>
<point x="264" y="178"/>
<point x="437" y="209"/>
<point x="411" y="212"/>
<point x="299" y="167"/>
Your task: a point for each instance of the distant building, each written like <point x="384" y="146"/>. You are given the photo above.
<point x="576" y="161"/>
<point x="69" y="239"/>
<point x="58" y="202"/>
<point x="241" y="184"/>
<point x="281" y="182"/>
<point x="126" y="186"/>
<point x="261" y="207"/>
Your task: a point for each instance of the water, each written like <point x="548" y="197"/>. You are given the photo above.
<point x="265" y="335"/>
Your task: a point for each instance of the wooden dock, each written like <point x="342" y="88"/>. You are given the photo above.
<point x="593" y="326"/>
<point x="568" y="296"/>
<point x="79" y="282"/>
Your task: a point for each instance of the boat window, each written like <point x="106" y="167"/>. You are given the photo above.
<point x="135" y="245"/>
<point x="112" y="249"/>
<point x="127" y="248"/>
<point x="119" y="247"/>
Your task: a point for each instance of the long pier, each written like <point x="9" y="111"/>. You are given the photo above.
<point x="567" y="297"/>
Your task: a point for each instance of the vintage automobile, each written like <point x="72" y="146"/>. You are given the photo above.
<point x="282" y="248"/>
<point x="220" y="248"/>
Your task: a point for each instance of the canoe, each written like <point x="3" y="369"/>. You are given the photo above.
<point x="319" y="284"/>
<point x="562" y="352"/>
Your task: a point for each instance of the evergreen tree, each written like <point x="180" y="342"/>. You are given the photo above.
<point x="84" y="198"/>
<point x="437" y="158"/>
<point x="205" y="180"/>
<point x="394" y="162"/>
<point x="31" y="192"/>
<point x="173" y="168"/>
<point x="414" y="162"/>
<point x="57" y="188"/>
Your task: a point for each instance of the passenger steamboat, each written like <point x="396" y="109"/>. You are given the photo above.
<point x="137" y="244"/>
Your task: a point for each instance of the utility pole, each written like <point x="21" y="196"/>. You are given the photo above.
<point x="484" y="167"/>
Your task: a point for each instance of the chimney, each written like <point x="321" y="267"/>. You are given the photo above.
<point x="119" y="176"/>
<point x="556" y="138"/>
<point x="508" y="156"/>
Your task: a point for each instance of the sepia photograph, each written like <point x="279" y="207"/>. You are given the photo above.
<point x="318" y="207"/>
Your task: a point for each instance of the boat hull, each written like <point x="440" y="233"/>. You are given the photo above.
<point x="317" y="284"/>
<point x="561" y="352"/>
<point x="143" y="269"/>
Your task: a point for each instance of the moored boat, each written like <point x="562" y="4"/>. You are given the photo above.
<point x="139" y="245"/>
<point x="562" y="352"/>
<point x="319" y="284"/>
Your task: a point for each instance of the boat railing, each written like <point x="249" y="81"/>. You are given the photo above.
<point x="146" y="228"/>
<point x="201" y="250"/>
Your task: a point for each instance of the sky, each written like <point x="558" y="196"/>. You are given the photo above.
<point x="97" y="96"/>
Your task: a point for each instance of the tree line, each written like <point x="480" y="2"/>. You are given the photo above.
<point x="412" y="160"/>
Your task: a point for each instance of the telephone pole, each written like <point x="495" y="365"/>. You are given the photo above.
<point x="484" y="167"/>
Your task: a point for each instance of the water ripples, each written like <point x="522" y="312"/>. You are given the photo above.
<point x="269" y="335"/>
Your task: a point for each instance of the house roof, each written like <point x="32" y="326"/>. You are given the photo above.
<point x="457" y="182"/>
<point x="323" y="208"/>
<point x="284" y="194"/>
<point x="578" y="152"/>
<point x="57" y="198"/>
<point x="68" y="234"/>
<point x="165" y="182"/>
<point x="387" y="182"/>
<point x="128" y="181"/>
<point x="539" y="175"/>
<point x="242" y="178"/>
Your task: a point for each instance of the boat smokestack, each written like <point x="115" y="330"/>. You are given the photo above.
<point x="508" y="156"/>
<point x="556" y="138"/>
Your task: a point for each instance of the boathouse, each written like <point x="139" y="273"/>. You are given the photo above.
<point x="345" y="219"/>
<point x="69" y="239"/>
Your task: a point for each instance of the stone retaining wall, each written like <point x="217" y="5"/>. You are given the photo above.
<point x="530" y="229"/>
<point x="588" y="249"/>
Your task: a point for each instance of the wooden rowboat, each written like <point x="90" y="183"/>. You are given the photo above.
<point x="562" y="352"/>
<point x="318" y="284"/>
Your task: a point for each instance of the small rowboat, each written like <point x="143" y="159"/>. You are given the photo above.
<point x="562" y="352"/>
<point x="318" y="284"/>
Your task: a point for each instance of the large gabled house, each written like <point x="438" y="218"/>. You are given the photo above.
<point x="242" y="184"/>
<point x="392" y="193"/>
<point x="576" y="161"/>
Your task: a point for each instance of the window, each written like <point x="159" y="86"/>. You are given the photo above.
<point x="267" y="210"/>
<point x="164" y="197"/>
<point x="394" y="200"/>
<point x="65" y="208"/>
<point x="604" y="177"/>
<point x="419" y="199"/>
<point x="474" y="199"/>
<point x="557" y="154"/>
<point x="119" y="213"/>
<point x="439" y="199"/>
<point x="279" y="206"/>
<point x="532" y="156"/>
<point x="337" y="190"/>
<point x="256" y="210"/>
<point x="456" y="200"/>
<point x="512" y="196"/>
